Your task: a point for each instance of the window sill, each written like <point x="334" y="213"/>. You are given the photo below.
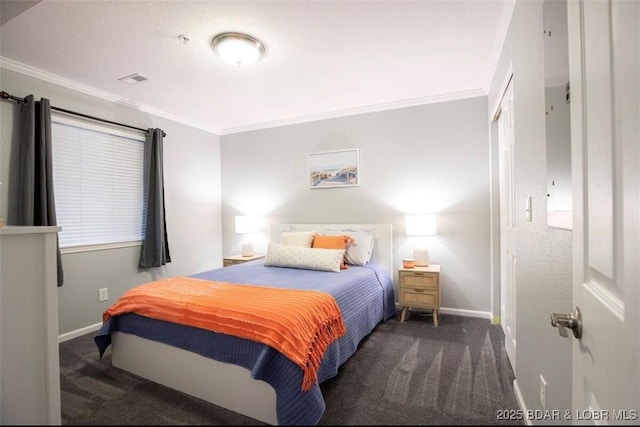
<point x="91" y="248"/>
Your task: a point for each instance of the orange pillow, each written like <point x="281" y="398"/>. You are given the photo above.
<point x="333" y="242"/>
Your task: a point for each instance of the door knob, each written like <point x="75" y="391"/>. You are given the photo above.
<point x="571" y="321"/>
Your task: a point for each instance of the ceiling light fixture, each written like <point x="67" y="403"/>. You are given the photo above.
<point x="237" y="48"/>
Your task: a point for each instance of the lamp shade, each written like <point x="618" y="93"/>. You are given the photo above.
<point x="246" y="224"/>
<point x="420" y="225"/>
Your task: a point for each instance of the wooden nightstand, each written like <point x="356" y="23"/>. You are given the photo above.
<point x="420" y="288"/>
<point x="239" y="259"/>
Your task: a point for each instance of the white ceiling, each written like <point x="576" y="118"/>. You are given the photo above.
<point x="323" y="59"/>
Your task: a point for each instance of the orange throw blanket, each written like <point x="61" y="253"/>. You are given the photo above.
<point x="299" y="323"/>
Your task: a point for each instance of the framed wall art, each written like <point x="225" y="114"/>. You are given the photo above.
<point x="333" y="169"/>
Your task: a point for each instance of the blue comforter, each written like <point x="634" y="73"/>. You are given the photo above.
<point x="365" y="297"/>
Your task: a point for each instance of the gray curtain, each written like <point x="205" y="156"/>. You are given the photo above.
<point x="36" y="203"/>
<point x="155" y="247"/>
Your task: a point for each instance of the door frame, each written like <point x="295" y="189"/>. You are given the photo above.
<point x="494" y="196"/>
<point x="496" y="253"/>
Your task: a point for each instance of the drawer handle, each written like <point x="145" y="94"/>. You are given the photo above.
<point x="418" y="290"/>
<point x="419" y="274"/>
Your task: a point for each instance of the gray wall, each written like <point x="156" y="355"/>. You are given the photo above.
<point x="543" y="273"/>
<point x="430" y="158"/>
<point x="192" y="191"/>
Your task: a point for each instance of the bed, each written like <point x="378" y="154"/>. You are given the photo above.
<point x="246" y="376"/>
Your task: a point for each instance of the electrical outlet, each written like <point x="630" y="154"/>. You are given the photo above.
<point x="103" y="295"/>
<point x="543" y="393"/>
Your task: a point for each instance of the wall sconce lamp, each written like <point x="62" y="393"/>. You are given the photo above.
<point x="420" y="225"/>
<point x="246" y="224"/>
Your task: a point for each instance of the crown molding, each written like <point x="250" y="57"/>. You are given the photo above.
<point x="46" y="76"/>
<point x="116" y="99"/>
<point x="454" y="96"/>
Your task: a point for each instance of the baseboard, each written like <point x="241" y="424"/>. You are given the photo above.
<point x="79" y="332"/>
<point x="520" y="399"/>
<point x="467" y="313"/>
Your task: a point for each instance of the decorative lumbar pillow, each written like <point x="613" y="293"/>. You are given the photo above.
<point x="279" y="255"/>
<point x="358" y="252"/>
<point x="332" y="242"/>
<point x="297" y="238"/>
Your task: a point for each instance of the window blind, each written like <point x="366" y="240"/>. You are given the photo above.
<point x="98" y="183"/>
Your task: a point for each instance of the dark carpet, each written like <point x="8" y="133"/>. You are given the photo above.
<point x="409" y="373"/>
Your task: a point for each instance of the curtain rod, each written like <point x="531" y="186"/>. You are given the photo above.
<point x="5" y="95"/>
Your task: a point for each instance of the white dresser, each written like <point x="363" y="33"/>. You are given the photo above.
<point x="29" y="358"/>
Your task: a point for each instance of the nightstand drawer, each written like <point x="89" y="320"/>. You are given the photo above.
<point x="417" y="298"/>
<point x="419" y="280"/>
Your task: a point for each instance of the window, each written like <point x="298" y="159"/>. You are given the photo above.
<point x="98" y="184"/>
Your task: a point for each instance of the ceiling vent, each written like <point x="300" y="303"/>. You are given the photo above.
<point x="133" y="79"/>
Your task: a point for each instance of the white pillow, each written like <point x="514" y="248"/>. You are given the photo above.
<point x="297" y="238"/>
<point x="360" y="251"/>
<point x="279" y="255"/>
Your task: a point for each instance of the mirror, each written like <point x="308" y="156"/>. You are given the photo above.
<point x="558" y="119"/>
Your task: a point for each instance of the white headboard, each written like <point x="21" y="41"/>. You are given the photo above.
<point x="382" y="248"/>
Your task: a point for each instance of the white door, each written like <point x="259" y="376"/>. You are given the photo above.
<point x="605" y="73"/>
<point x="507" y="223"/>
